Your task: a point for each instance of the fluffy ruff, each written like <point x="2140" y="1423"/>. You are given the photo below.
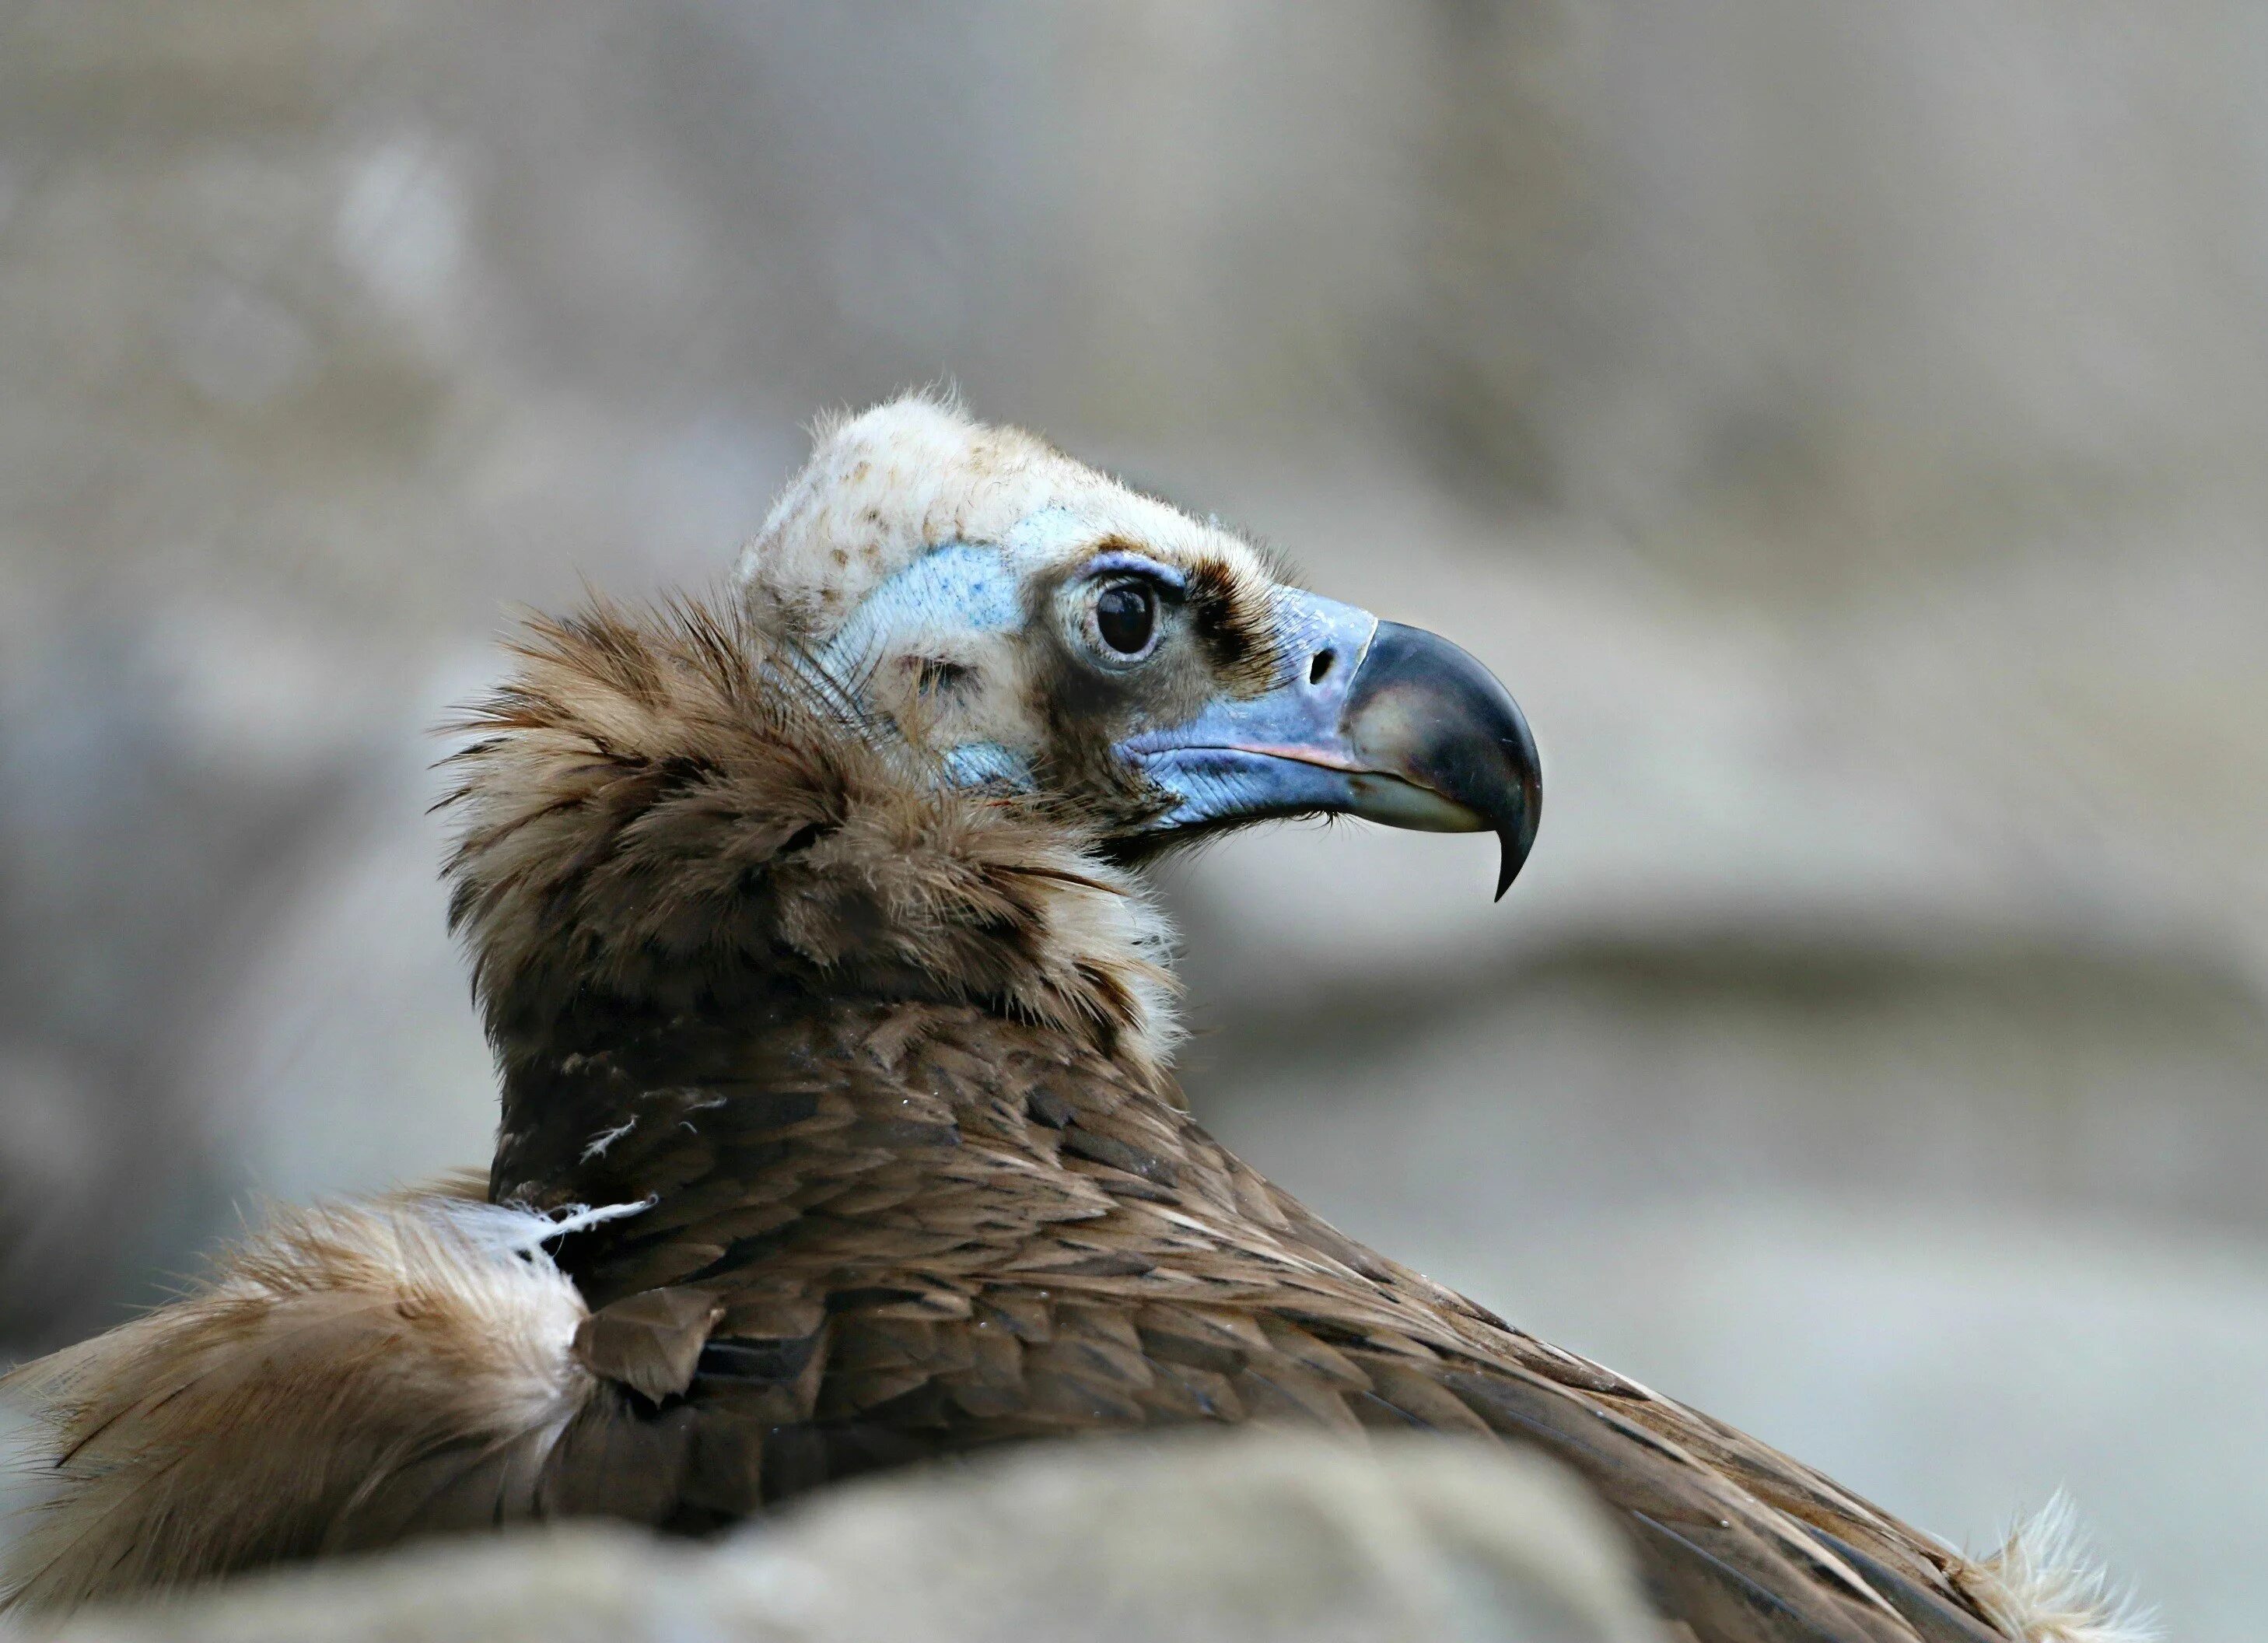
<point x="662" y="804"/>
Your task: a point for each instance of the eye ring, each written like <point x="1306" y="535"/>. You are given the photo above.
<point x="1124" y="618"/>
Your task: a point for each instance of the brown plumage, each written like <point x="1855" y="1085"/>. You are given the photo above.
<point x="869" y="1073"/>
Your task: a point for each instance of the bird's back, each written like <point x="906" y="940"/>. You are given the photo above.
<point x="920" y="1230"/>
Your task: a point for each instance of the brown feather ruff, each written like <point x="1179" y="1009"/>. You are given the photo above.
<point x="671" y="818"/>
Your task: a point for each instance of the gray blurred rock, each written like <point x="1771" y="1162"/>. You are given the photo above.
<point x="1245" y="1539"/>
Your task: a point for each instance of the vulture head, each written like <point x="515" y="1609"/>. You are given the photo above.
<point x="1027" y="623"/>
<point x="963" y="684"/>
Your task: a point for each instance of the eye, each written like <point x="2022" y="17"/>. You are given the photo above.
<point x="1126" y="617"/>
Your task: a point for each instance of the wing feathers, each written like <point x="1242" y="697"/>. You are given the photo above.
<point x="649" y="1342"/>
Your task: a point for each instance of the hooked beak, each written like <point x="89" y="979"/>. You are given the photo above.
<point x="1371" y="719"/>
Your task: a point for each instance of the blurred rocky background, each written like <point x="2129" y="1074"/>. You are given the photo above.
<point x="1846" y="426"/>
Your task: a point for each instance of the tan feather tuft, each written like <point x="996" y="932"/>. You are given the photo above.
<point x="2045" y="1584"/>
<point x="339" y="1358"/>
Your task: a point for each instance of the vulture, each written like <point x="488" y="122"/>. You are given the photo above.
<point x="835" y="1025"/>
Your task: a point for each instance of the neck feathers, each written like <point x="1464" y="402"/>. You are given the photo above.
<point x="668" y="817"/>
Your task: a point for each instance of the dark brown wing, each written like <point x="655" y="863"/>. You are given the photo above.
<point x="911" y="1237"/>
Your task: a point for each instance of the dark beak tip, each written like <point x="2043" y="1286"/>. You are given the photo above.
<point x="1515" y="842"/>
<point x="1430" y="713"/>
<point x="1518" y="840"/>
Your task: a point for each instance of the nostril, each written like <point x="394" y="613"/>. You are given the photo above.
<point x="1321" y="666"/>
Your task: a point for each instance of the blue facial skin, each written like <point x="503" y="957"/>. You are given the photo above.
<point x="955" y="586"/>
<point x="1289" y="751"/>
<point x="1364" y="719"/>
<point x="1279" y="753"/>
<point x="983" y="763"/>
<point x="959" y="584"/>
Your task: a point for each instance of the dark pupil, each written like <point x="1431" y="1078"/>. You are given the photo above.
<point x="1124" y="615"/>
